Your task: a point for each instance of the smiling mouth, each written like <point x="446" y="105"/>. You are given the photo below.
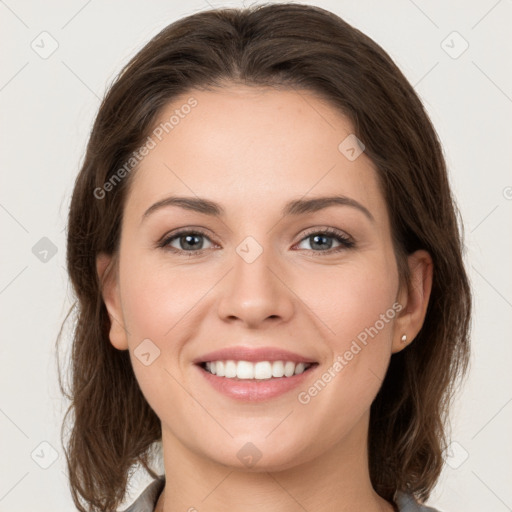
<point x="261" y="370"/>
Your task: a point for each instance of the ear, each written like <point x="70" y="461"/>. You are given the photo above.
<point x="414" y="299"/>
<point x="106" y="266"/>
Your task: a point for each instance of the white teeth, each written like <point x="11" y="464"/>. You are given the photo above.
<point x="220" y="369"/>
<point x="245" y="370"/>
<point x="277" y="369"/>
<point x="262" y="370"/>
<point x="259" y="370"/>
<point x="230" y="369"/>
<point x="289" y="369"/>
<point x="300" y="368"/>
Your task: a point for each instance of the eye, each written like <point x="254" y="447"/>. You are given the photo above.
<point x="186" y="241"/>
<point x="322" y="239"/>
<point x="192" y="241"/>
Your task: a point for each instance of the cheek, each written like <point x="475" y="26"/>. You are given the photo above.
<point x="366" y="312"/>
<point x="359" y="309"/>
<point x="356" y="298"/>
<point x="154" y="308"/>
<point x="157" y="301"/>
<point x="157" y="311"/>
<point x="362" y="312"/>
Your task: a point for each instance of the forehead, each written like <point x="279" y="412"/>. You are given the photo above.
<point x="242" y="146"/>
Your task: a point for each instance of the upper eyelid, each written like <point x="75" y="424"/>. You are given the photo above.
<point x="329" y="230"/>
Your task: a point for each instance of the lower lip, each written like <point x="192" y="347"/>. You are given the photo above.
<point x="255" y="390"/>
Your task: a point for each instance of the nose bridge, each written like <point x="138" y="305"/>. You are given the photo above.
<point x="255" y="291"/>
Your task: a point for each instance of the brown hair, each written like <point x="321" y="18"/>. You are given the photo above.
<point x="297" y="47"/>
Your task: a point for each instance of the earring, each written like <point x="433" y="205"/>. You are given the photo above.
<point x="404" y="339"/>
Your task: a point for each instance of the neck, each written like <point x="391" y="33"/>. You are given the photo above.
<point x="336" y="480"/>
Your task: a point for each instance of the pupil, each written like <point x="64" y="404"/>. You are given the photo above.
<point x="190" y="237"/>
<point x="323" y="238"/>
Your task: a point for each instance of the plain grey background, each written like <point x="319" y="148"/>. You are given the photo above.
<point x="58" y="58"/>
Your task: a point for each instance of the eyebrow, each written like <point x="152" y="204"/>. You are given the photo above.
<point x="294" y="207"/>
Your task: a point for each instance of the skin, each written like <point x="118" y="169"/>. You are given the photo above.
<point x="252" y="150"/>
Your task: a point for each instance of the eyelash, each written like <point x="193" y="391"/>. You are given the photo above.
<point x="345" y="241"/>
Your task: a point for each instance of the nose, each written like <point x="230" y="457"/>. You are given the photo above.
<point x="256" y="292"/>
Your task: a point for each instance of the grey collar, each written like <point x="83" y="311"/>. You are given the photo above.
<point x="146" y="502"/>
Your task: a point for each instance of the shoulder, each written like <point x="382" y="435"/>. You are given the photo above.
<point x="407" y="503"/>
<point x="146" y="501"/>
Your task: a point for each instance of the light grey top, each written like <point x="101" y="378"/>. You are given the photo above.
<point x="147" y="500"/>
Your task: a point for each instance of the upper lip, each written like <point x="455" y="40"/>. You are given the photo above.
<point x="253" y="354"/>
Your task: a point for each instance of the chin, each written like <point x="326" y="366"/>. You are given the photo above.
<point x="255" y="456"/>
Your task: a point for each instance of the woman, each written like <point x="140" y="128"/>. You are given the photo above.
<point x="268" y="270"/>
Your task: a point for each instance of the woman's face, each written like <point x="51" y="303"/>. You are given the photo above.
<point x="261" y="273"/>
